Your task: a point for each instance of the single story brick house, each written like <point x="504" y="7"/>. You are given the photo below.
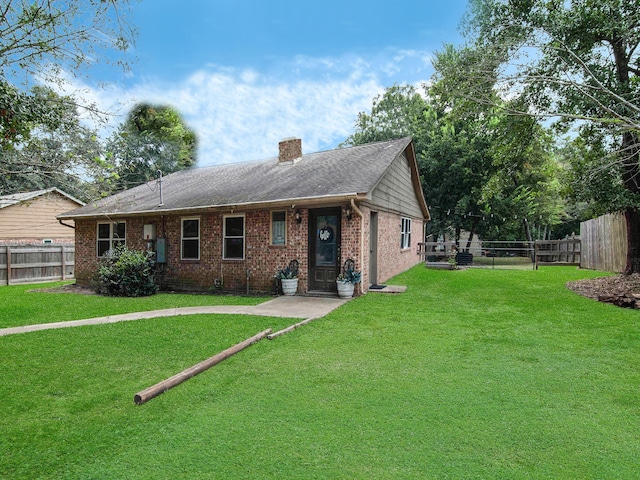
<point x="232" y="226"/>
<point x="30" y="217"/>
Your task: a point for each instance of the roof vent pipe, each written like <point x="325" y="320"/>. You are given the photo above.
<point x="161" y="204"/>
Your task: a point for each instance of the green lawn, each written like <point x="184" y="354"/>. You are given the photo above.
<point x="26" y="305"/>
<point x="469" y="374"/>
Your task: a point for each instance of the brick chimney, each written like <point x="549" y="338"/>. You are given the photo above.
<point x="290" y="150"/>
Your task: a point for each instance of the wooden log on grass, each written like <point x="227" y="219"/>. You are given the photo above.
<point x="289" y="329"/>
<point x="159" y="388"/>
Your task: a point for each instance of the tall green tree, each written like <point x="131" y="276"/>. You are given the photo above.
<point x="47" y="42"/>
<point x="524" y="186"/>
<point x="399" y="112"/>
<point x="153" y="138"/>
<point x="57" y="151"/>
<point x="577" y="62"/>
<point x="451" y="153"/>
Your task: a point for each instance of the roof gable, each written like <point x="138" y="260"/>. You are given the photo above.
<point x="15" y="198"/>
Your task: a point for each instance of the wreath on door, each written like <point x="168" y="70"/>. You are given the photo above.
<point x="325" y="234"/>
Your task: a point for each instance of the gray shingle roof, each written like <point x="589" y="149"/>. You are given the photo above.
<point x="335" y="173"/>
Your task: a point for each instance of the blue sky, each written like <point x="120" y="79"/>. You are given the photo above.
<point x="247" y="73"/>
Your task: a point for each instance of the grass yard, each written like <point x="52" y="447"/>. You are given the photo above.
<point x="469" y="374"/>
<point x="25" y="305"/>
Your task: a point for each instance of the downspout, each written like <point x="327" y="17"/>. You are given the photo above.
<point x="66" y="224"/>
<point x="361" y="215"/>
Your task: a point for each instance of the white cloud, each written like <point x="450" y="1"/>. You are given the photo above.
<point x="241" y="115"/>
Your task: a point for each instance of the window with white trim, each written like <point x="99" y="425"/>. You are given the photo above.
<point x="110" y="235"/>
<point x="405" y="233"/>
<point x="278" y="228"/>
<point x="190" y="240"/>
<point x="233" y="237"/>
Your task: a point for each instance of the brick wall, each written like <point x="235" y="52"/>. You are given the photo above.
<point x="86" y="262"/>
<point x="350" y="246"/>
<point x="261" y="258"/>
<point x="393" y="260"/>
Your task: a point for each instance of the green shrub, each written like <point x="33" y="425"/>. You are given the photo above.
<point x="127" y="273"/>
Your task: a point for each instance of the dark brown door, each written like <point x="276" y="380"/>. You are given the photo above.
<point x="324" y="249"/>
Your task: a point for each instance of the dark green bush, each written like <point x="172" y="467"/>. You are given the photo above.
<point x="127" y="273"/>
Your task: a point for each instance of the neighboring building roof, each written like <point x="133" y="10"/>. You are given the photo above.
<point x="340" y="174"/>
<point x="15" y="198"/>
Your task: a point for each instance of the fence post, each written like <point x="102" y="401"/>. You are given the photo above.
<point x="62" y="262"/>
<point x="8" y="265"/>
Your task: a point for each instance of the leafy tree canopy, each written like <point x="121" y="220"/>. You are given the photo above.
<point x="153" y="138"/>
<point x="474" y="168"/>
<point x="576" y="62"/>
<point x="45" y="42"/>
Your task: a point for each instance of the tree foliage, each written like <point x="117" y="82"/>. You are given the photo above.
<point x="576" y="62"/>
<point x="478" y="168"/>
<point x="44" y="37"/>
<point x="153" y="138"/>
<point x="45" y="42"/>
<point x="55" y="151"/>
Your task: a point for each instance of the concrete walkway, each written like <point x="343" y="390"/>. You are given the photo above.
<point x="284" y="306"/>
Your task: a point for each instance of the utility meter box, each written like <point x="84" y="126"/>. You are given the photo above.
<point x="149" y="232"/>
<point x="161" y="250"/>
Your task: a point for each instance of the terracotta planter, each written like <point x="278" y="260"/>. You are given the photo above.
<point x="289" y="286"/>
<point x="345" y="289"/>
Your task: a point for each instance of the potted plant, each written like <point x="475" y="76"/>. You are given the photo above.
<point x="347" y="279"/>
<point x="288" y="277"/>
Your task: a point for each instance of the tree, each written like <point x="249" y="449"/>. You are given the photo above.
<point x="454" y="167"/>
<point x="575" y="62"/>
<point x="56" y="151"/>
<point x="399" y="112"/>
<point x="450" y="152"/>
<point x="525" y="183"/>
<point x="46" y="42"/>
<point x="153" y="138"/>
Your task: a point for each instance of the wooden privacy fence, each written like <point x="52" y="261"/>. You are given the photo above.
<point x="604" y="243"/>
<point x="566" y="251"/>
<point x="31" y="263"/>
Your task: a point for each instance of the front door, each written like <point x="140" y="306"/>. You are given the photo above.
<point x="324" y="249"/>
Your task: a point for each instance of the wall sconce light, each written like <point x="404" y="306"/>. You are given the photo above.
<point x="298" y="217"/>
<point x="348" y="213"/>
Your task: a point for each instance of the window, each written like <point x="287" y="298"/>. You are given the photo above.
<point x="278" y="228"/>
<point x="110" y="235"/>
<point x="233" y="247"/>
<point x="405" y="233"/>
<point x="190" y="239"/>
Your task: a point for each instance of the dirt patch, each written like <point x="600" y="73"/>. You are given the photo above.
<point x="620" y="290"/>
<point x="69" y="288"/>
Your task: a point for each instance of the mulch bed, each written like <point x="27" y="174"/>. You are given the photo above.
<point x="620" y="290"/>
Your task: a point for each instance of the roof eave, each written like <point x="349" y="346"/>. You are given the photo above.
<point x="266" y="205"/>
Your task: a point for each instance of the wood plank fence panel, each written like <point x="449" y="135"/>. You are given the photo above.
<point x="567" y="251"/>
<point x="604" y="243"/>
<point x="29" y="263"/>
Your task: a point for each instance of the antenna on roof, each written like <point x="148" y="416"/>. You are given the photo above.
<point x="160" y="182"/>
